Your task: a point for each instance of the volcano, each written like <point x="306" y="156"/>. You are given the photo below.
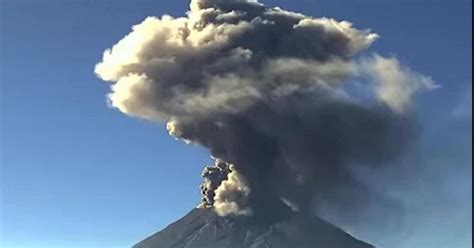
<point x="203" y="228"/>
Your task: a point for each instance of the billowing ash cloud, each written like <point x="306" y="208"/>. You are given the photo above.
<point x="277" y="97"/>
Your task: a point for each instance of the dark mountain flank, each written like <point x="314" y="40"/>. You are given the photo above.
<point x="203" y="228"/>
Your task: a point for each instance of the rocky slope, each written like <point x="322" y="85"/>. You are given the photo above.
<point x="202" y="228"/>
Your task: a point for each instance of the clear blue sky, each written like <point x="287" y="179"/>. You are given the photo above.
<point x="77" y="174"/>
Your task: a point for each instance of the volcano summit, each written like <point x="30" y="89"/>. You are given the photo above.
<point x="203" y="228"/>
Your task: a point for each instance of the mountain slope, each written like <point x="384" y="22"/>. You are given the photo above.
<point x="202" y="228"/>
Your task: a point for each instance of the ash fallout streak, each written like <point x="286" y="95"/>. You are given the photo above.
<point x="287" y="104"/>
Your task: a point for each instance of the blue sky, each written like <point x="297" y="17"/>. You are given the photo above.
<point x="75" y="173"/>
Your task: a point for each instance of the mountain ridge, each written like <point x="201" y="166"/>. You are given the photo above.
<point x="203" y="228"/>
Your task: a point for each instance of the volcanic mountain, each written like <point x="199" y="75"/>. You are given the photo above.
<point x="203" y="228"/>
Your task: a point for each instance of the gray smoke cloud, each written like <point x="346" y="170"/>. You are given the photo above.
<point x="287" y="104"/>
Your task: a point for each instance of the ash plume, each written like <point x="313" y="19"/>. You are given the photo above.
<point x="287" y="104"/>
